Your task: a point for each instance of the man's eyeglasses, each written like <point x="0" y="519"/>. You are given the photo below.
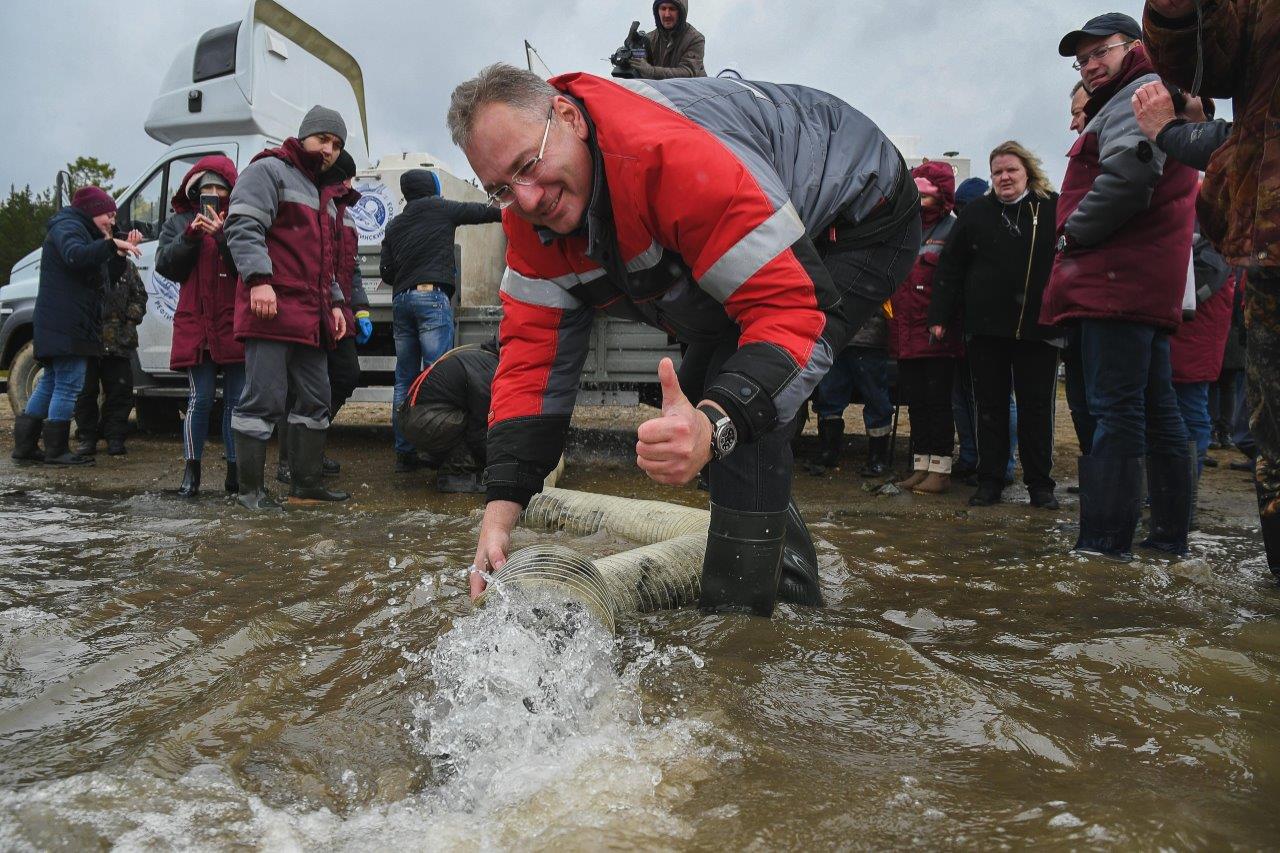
<point x="526" y="176"/>
<point x="1098" y="53"/>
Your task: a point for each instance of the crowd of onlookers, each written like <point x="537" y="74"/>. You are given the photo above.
<point x="1112" y="281"/>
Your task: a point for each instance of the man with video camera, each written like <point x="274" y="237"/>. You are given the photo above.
<point x="673" y="49"/>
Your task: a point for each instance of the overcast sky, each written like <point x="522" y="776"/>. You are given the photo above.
<point x="959" y="74"/>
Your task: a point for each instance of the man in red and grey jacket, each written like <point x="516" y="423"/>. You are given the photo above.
<point x="281" y="231"/>
<point x="759" y="224"/>
<point x="1124" y="223"/>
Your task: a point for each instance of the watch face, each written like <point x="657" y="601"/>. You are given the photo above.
<point x="726" y="439"/>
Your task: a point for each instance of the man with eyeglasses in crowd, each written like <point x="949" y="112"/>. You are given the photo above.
<point x="1232" y="47"/>
<point x="1124" y="224"/>
<point x="418" y="263"/>
<point x="690" y="206"/>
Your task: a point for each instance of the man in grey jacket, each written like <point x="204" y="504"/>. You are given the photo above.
<point x="1124" y="221"/>
<point x="283" y="241"/>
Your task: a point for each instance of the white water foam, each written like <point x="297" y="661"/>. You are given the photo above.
<point x="534" y="729"/>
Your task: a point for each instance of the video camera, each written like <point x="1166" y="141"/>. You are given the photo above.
<point x="633" y="48"/>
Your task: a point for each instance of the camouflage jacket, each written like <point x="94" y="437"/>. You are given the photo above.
<point x="124" y="303"/>
<point x="1239" y="204"/>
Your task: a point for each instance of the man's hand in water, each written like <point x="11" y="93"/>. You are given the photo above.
<point x="495" y="541"/>
<point x="672" y="449"/>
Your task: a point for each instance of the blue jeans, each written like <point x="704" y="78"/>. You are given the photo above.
<point x="1193" y="402"/>
<point x="863" y="370"/>
<point x="203" y="380"/>
<point x="59" y="387"/>
<point x="422" y="321"/>
<point x="1129" y="385"/>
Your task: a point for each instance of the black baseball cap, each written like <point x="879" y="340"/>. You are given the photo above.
<point x="1103" y="25"/>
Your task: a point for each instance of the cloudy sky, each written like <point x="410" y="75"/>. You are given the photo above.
<point x="958" y="74"/>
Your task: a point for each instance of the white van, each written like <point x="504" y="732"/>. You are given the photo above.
<point x="236" y="90"/>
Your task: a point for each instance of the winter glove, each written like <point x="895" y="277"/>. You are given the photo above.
<point x="364" y="328"/>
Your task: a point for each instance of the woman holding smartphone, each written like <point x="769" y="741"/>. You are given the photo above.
<point x="193" y="252"/>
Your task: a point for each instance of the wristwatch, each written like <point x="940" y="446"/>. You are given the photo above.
<point x="724" y="435"/>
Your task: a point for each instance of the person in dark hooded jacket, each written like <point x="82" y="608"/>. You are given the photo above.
<point x="193" y="252"/>
<point x="80" y="256"/>
<point x="418" y="263"/>
<point x="675" y="48"/>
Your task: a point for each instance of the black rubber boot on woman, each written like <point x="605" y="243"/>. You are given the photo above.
<point x="57" y="450"/>
<point x="26" y="439"/>
<point x="190" y="487"/>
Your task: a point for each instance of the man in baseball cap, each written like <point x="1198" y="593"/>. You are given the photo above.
<point x="1112" y="23"/>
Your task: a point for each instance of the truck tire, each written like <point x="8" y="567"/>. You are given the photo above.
<point x="158" y="415"/>
<point x="24" y="372"/>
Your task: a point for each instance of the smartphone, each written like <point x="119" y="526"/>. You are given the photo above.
<point x="209" y="204"/>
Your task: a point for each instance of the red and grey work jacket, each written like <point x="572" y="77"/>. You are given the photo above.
<point x="706" y="198"/>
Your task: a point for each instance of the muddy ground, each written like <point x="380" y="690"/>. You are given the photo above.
<point x="600" y="457"/>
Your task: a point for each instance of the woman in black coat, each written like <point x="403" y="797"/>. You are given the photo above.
<point x="80" y="255"/>
<point x="996" y="264"/>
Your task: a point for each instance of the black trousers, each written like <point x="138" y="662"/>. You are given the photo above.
<point x="1222" y="400"/>
<point x="1073" y="375"/>
<point x="756" y="477"/>
<point x="114" y="374"/>
<point x="344" y="374"/>
<point x="1032" y="367"/>
<point x="926" y="386"/>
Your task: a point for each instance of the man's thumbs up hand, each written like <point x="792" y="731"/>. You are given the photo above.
<point x="672" y="449"/>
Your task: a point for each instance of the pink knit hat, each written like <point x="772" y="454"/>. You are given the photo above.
<point x="93" y="201"/>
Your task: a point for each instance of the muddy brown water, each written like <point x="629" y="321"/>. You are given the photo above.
<point x="178" y="676"/>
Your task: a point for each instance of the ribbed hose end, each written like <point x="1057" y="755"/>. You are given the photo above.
<point x="560" y="571"/>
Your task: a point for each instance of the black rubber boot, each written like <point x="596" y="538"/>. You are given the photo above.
<point x="743" y="562"/>
<point x="877" y="456"/>
<point x="87" y="443"/>
<point x="306" y="452"/>
<point x="283" y="474"/>
<point x="830" y="438"/>
<point x="799" y="583"/>
<point x="190" y="487"/>
<point x="26" y="439"/>
<point x="57" y="438"/>
<point x="115" y="446"/>
<point x="1270" y="522"/>
<point x="251" y="463"/>
<point x="231" y="484"/>
<point x="1171" y="488"/>
<point x="1110" y="505"/>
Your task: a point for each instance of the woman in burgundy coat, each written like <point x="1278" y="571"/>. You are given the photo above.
<point x="926" y="364"/>
<point x="193" y="252"/>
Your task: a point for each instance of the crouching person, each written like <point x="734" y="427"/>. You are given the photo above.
<point x="80" y="256"/>
<point x="446" y="413"/>
<point x="281" y="239"/>
<point x="193" y="251"/>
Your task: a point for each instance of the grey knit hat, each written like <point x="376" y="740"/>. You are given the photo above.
<point x="323" y="120"/>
